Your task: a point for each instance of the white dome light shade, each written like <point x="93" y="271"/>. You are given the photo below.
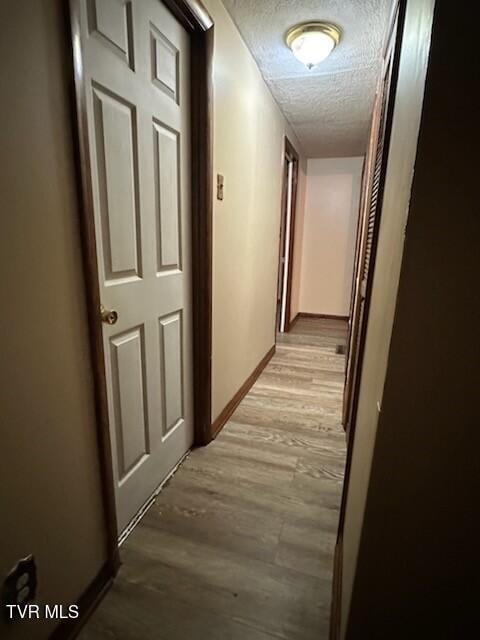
<point x="313" y="42"/>
<point x="311" y="48"/>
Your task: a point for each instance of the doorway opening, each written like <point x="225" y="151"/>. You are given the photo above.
<point x="287" y="238"/>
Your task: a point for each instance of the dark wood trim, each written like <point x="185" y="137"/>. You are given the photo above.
<point x="290" y="154"/>
<point x="87" y="603"/>
<point x="322" y="316"/>
<point x="291" y="151"/>
<point x="401" y="8"/>
<point x="92" y="289"/>
<point x="281" y="231"/>
<point x="193" y="15"/>
<point x="378" y="138"/>
<point x="336" y="611"/>
<point x="358" y="242"/>
<point x="357" y="274"/>
<point x="202" y="212"/>
<point x="220" y="421"/>
<point x="336" y="605"/>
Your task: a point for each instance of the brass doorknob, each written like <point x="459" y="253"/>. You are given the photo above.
<point x="109" y="316"/>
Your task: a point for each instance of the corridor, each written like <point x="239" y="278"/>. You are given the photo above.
<point x="239" y="545"/>
<point x="181" y="181"/>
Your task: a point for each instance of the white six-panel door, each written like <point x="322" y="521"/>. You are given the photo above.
<point x="136" y="69"/>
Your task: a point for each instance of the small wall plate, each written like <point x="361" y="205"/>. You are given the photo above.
<point x="20" y="585"/>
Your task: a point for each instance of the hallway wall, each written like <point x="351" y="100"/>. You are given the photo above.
<point x="249" y="132"/>
<point x="329" y="234"/>
<point x="409" y="416"/>
<point x="50" y="499"/>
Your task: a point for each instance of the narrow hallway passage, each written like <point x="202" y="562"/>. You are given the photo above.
<point x="239" y="545"/>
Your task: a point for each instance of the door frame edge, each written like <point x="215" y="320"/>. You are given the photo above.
<point x="289" y="150"/>
<point x="399" y="12"/>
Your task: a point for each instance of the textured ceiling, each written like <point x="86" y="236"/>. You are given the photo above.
<point x="329" y="107"/>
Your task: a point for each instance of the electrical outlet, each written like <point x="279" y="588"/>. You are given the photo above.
<point x="20" y="585"/>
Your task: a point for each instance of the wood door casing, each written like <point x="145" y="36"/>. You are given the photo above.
<point x="281" y="261"/>
<point x="392" y="55"/>
<point x="368" y="227"/>
<point x="358" y="295"/>
<point x="287" y="236"/>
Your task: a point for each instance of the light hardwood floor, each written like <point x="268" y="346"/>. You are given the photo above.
<point x="239" y="545"/>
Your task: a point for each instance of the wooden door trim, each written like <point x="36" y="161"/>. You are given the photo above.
<point x="87" y="604"/>
<point x="356" y="315"/>
<point x="192" y="14"/>
<point x="353" y="334"/>
<point x="355" y="285"/>
<point x="400" y="8"/>
<point x="336" y="610"/>
<point x="336" y="603"/>
<point x="281" y="233"/>
<point x="289" y="151"/>
<point x="195" y="18"/>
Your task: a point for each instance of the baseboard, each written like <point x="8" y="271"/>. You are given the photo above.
<point x="336" y="608"/>
<point x="87" y="603"/>
<point x="291" y="323"/>
<point x="219" y="422"/>
<point x="322" y="316"/>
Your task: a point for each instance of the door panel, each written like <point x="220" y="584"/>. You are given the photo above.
<point x="117" y="171"/>
<point x="128" y="382"/>
<point x="166" y="144"/>
<point x="171" y="371"/>
<point x="138" y="125"/>
<point x="164" y="60"/>
<point x="111" y="20"/>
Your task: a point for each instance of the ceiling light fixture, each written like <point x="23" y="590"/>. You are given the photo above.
<point x="312" y="42"/>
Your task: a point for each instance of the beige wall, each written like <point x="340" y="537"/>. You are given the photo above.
<point x="401" y="162"/>
<point x="49" y="478"/>
<point x="249" y="132"/>
<point x="329" y="234"/>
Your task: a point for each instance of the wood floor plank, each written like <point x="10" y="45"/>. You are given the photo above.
<point x="301" y="548"/>
<point x="296" y="444"/>
<point x="239" y="544"/>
